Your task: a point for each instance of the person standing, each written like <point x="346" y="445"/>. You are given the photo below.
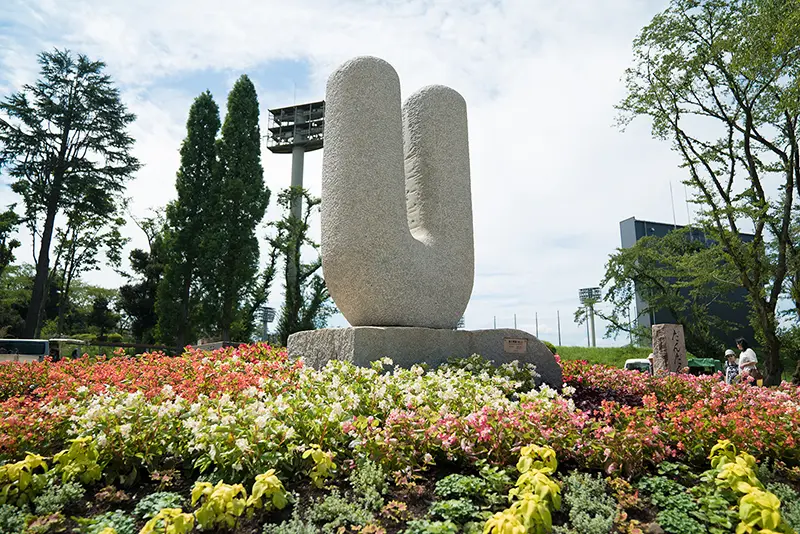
<point x="732" y="367"/>
<point x="748" y="362"/>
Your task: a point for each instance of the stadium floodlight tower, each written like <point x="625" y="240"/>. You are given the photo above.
<point x="296" y="130"/>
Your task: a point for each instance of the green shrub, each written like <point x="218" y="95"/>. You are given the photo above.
<point x="461" y="487"/>
<point x="675" y="521"/>
<point x="336" y="511"/>
<point x="121" y="522"/>
<point x="591" y="510"/>
<point x="295" y="525"/>
<point x="423" y="526"/>
<point x="55" y="498"/>
<point x="151" y="504"/>
<point x="677" y="509"/>
<point x="550" y="346"/>
<point x="12" y="519"/>
<point x="368" y="481"/>
<point x="456" y="510"/>
<point x="790" y="503"/>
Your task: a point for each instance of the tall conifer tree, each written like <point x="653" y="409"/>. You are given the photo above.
<point x="188" y="224"/>
<point x="241" y="201"/>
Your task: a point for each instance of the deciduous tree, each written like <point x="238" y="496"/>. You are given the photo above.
<point x="679" y="274"/>
<point x="307" y="304"/>
<point x="137" y="299"/>
<point x="88" y="232"/>
<point x="9" y="220"/>
<point x="720" y="79"/>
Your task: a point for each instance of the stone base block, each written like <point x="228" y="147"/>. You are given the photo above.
<point x="409" y="345"/>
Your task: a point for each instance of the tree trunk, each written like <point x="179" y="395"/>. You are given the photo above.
<point x="772" y="345"/>
<point x="226" y="317"/>
<point x="772" y="360"/>
<point x="184" y="321"/>
<point x="39" y="293"/>
<point x="226" y="333"/>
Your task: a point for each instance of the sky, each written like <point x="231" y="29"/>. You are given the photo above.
<point x="552" y="175"/>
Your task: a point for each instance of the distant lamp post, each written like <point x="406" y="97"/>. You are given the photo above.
<point x="588" y="296"/>
<point x="267" y="315"/>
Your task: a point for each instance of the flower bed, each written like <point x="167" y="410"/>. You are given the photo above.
<point x="236" y="413"/>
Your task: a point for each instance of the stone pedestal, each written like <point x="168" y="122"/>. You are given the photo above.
<point x="669" y="348"/>
<point x="407" y="346"/>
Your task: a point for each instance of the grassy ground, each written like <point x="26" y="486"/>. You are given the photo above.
<point x="615" y="356"/>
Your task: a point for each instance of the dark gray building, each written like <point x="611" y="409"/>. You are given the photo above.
<point x="632" y="230"/>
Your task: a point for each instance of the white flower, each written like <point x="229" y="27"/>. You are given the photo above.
<point x="167" y="391"/>
<point x="243" y="445"/>
<point x="228" y="420"/>
<point x="82" y="389"/>
<point x="125" y="430"/>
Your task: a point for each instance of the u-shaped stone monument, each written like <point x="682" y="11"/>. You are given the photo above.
<point x="397" y="239"/>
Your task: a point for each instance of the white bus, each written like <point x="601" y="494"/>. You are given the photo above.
<point x="24" y="350"/>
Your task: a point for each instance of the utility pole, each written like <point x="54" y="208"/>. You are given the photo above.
<point x="494" y="319"/>
<point x="558" y="318"/>
<point x="537" y="324"/>
<point x="515" y="321"/>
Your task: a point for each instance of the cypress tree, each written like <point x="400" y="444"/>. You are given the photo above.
<point x="188" y="224"/>
<point x="241" y="201"/>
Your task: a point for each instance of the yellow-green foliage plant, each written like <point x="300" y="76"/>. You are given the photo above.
<point x="220" y="505"/>
<point x="534" y="497"/>
<point x="324" y="465"/>
<point x="21" y="481"/>
<point x="759" y="510"/>
<point x="79" y="462"/>
<point x="169" y="521"/>
<point x="268" y="493"/>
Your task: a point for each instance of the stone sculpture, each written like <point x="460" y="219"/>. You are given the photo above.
<point x="397" y="246"/>
<point x="397" y="242"/>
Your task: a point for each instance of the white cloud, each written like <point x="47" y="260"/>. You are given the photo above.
<point x="551" y="176"/>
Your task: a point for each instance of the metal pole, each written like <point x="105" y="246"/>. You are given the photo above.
<point x="591" y="318"/>
<point x="298" y="155"/>
<point x="588" y="339"/>
<point x="296" y="210"/>
<point x="537" y="324"/>
<point x="558" y="318"/>
<point x="515" y="321"/>
<point x="494" y="318"/>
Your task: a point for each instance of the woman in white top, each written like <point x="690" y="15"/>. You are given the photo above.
<point x="748" y="363"/>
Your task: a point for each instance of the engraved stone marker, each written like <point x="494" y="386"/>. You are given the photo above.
<point x="669" y="348"/>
